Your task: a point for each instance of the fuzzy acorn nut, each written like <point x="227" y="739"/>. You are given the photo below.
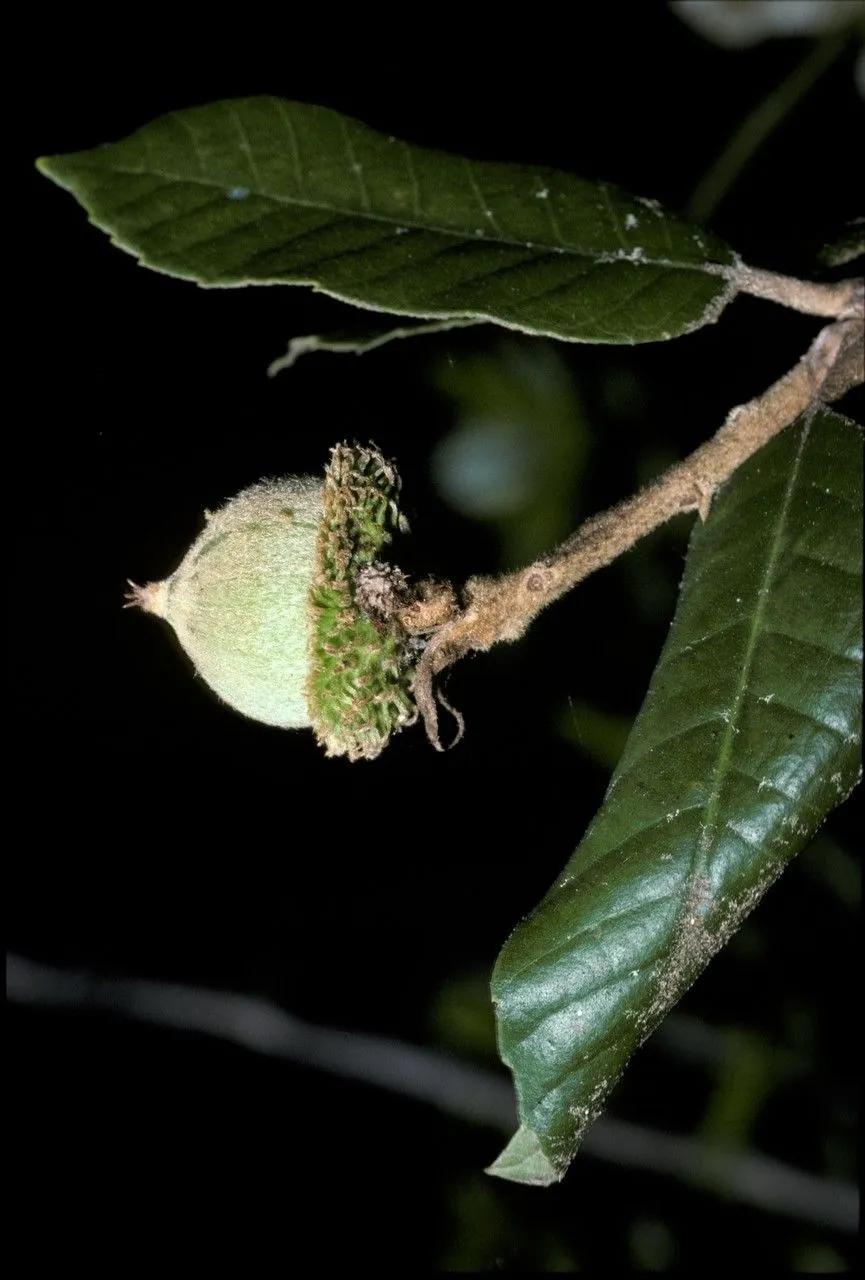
<point x="286" y="611"/>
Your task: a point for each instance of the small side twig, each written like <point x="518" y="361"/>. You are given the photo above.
<point x="500" y="609"/>
<point x="359" y="344"/>
<point x="841" y="300"/>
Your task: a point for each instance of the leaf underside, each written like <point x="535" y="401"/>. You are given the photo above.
<point x="749" y="735"/>
<point x="266" y="191"/>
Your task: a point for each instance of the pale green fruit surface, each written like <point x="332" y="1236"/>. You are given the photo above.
<point x="239" y="600"/>
<point x="266" y="604"/>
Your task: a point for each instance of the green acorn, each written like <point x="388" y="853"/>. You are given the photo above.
<point x="286" y="611"/>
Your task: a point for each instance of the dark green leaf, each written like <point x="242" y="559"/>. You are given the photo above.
<point x="749" y="735"/>
<point x="265" y="191"/>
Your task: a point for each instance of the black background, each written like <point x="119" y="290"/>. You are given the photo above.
<point x="157" y="834"/>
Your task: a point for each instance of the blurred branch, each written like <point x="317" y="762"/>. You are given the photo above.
<point x="761" y="123"/>
<point x="459" y="1088"/>
<point x="468" y="1092"/>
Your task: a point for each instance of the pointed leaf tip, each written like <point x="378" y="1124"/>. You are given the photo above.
<point x="267" y="191"/>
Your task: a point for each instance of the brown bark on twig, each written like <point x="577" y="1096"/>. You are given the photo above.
<point x="841" y="300"/>
<point x="500" y="609"/>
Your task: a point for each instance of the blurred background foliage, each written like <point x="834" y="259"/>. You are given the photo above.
<point x="165" y="839"/>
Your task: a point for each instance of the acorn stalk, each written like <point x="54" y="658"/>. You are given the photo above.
<point x="288" y="614"/>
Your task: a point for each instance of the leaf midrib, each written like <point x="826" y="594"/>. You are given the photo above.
<point x="703" y="847"/>
<point x="544" y="245"/>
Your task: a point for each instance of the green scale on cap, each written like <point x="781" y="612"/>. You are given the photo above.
<point x="265" y="603"/>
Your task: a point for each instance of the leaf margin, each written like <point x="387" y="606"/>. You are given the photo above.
<point x="700" y="942"/>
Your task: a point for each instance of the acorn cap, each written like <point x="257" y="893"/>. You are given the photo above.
<point x="265" y="603"/>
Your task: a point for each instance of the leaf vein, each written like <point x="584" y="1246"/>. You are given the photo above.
<point x="596" y="258"/>
<point x="726" y="746"/>
<point x="291" y="134"/>
<point x="560" y="943"/>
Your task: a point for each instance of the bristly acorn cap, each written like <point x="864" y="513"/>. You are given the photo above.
<point x="266" y="603"/>
<point x="360" y="673"/>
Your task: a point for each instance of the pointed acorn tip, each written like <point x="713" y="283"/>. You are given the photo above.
<point x="151" y="598"/>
